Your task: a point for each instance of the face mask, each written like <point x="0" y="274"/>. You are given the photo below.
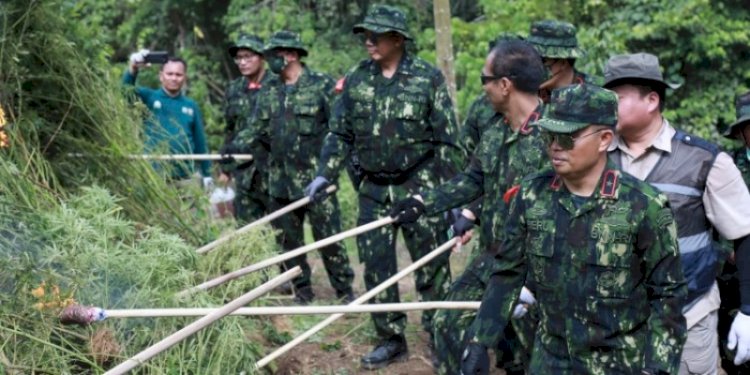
<point x="276" y="63"/>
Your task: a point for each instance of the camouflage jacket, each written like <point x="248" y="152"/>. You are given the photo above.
<point x="743" y="163"/>
<point x="398" y="126"/>
<point x="240" y="99"/>
<point x="292" y="120"/>
<point x="481" y="116"/>
<point x="606" y="274"/>
<point x="501" y="160"/>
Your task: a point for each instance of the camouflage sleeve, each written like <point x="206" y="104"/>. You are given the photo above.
<point x="462" y="189"/>
<point x="469" y="134"/>
<point x="666" y="288"/>
<point x="338" y="142"/>
<point x="505" y="283"/>
<point x="229" y="124"/>
<point x="254" y="138"/>
<point x="445" y="128"/>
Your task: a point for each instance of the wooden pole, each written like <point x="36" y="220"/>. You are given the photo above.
<point x="296" y="310"/>
<point x="287" y="255"/>
<point x="266" y="219"/>
<point x="444" y="45"/>
<point x="201" y="323"/>
<point x="362" y="299"/>
<point x="240" y="157"/>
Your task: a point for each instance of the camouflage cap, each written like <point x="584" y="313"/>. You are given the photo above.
<point x="247" y="41"/>
<point x="575" y="107"/>
<point x="285" y="39"/>
<point x="635" y="66"/>
<point x="382" y="19"/>
<point x="555" y="39"/>
<point x="742" y="106"/>
<point x="503" y="36"/>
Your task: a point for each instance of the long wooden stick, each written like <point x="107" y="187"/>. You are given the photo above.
<point x="363" y="298"/>
<point x="241" y="157"/>
<point x="296" y="310"/>
<point x="287" y="255"/>
<point x="266" y="219"/>
<point x="201" y="323"/>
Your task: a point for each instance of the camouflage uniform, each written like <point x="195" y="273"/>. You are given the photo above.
<point x="605" y="269"/>
<point x="403" y="131"/>
<point x="240" y="99"/>
<point x="501" y="160"/>
<point x="293" y="121"/>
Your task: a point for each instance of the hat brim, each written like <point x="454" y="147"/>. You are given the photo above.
<point x="560" y="126"/>
<point x="361" y="27"/>
<point x="236" y="48"/>
<point x="735" y="127"/>
<point x="557" y="52"/>
<point x="618" y="81"/>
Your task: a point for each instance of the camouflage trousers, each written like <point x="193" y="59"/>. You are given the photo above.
<point x="377" y="250"/>
<point x="513" y="351"/>
<point x="325" y="220"/>
<point x="251" y="202"/>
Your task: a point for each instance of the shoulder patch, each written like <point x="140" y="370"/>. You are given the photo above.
<point x="692" y="140"/>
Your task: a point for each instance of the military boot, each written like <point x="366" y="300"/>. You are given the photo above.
<point x="303" y="295"/>
<point x="385" y="353"/>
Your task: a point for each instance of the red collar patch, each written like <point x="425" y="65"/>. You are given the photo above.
<point x="609" y="184"/>
<point x="254" y="85"/>
<point x="340" y="85"/>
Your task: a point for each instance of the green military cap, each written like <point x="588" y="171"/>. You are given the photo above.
<point x="285" y="39"/>
<point x="247" y="41"/>
<point x="555" y="39"/>
<point x="636" y="66"/>
<point x="575" y="107"/>
<point x="382" y="19"/>
<point x="504" y="36"/>
<point x="742" y="106"/>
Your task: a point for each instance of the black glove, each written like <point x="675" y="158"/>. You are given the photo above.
<point x="407" y="210"/>
<point x="226" y="151"/>
<point x="462" y="225"/>
<point x="475" y="360"/>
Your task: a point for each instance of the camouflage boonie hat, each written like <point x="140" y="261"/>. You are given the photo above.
<point x="502" y="37"/>
<point x="555" y="39"/>
<point x="742" y="106"/>
<point x="247" y="41"/>
<point x="285" y="39"/>
<point x="636" y="66"/>
<point x="575" y="107"/>
<point x="382" y="19"/>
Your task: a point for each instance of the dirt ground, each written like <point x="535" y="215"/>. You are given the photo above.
<point x="338" y="348"/>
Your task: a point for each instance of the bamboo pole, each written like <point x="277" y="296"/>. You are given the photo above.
<point x="296" y="310"/>
<point x="287" y="255"/>
<point x="363" y="298"/>
<point x="201" y="323"/>
<point x="240" y="157"/>
<point x="266" y="219"/>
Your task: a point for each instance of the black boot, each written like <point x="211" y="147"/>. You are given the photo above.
<point x="387" y="352"/>
<point x="303" y="295"/>
<point x="345" y="297"/>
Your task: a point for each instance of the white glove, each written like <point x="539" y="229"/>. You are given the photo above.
<point x="139" y="57"/>
<point x="519" y="311"/>
<point x="739" y="337"/>
<point x="208" y="183"/>
<point x="526" y="296"/>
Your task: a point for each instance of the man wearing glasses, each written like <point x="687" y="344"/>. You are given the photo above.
<point x="239" y="101"/>
<point x="599" y="249"/>
<point x="396" y="116"/>
<point x="291" y="121"/>
<point x="506" y="153"/>
<point x="707" y="194"/>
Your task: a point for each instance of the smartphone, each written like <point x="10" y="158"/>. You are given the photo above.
<point x="156" y="57"/>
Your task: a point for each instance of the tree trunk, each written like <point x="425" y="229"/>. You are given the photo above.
<point x="444" y="45"/>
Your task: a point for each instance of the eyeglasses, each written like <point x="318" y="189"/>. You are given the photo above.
<point x="565" y="141"/>
<point x="241" y="59"/>
<point x="487" y="79"/>
<point x="374" y="38"/>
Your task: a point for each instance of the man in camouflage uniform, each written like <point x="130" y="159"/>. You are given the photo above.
<point x="239" y="101"/>
<point x="506" y="153"/>
<point x="729" y="283"/>
<point x="291" y="120"/>
<point x="598" y="248"/>
<point x="556" y="41"/>
<point x="396" y="115"/>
